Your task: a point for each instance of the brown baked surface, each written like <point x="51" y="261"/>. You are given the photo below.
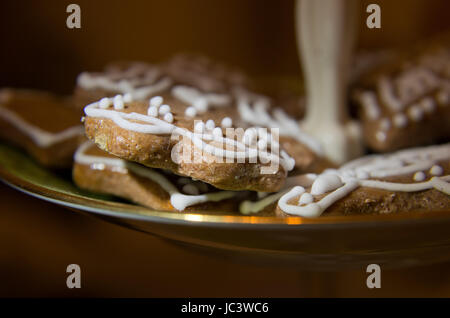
<point x="433" y="125"/>
<point x="155" y="150"/>
<point x="207" y="76"/>
<point x="138" y="189"/>
<point x="47" y="112"/>
<point x="364" y="200"/>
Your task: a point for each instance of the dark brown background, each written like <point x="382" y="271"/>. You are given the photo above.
<point x="38" y="50"/>
<point x="38" y="240"/>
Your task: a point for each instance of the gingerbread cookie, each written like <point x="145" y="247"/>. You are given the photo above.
<point x="175" y="109"/>
<point x="415" y="180"/>
<point x="191" y="78"/>
<point x="137" y="79"/>
<point x="42" y="124"/>
<point x="201" y="145"/>
<point x="407" y="103"/>
<point x="142" y="80"/>
<point x="204" y="73"/>
<point x="97" y="171"/>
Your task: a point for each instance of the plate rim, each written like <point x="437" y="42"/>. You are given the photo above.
<point x="145" y="214"/>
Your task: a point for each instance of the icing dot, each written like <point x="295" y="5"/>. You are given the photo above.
<point x="168" y="117"/>
<point x="190" y="189"/>
<point x="385" y="124"/>
<point x="105" y="102"/>
<point x="400" y="120"/>
<point x="199" y="127"/>
<point x="415" y="112"/>
<point x="118" y="102"/>
<point x="226" y="122"/>
<point x="217" y="132"/>
<point x="419" y="176"/>
<point x="127" y="98"/>
<point x="443" y="97"/>
<point x="164" y="109"/>
<point x="381" y="136"/>
<point x="152" y="111"/>
<point x="428" y="105"/>
<point x="190" y="111"/>
<point x="368" y="100"/>
<point x="201" y="105"/>
<point x="436" y="170"/>
<point x="210" y="124"/>
<point x="156" y="101"/>
<point x="306" y="198"/>
<point x="326" y="183"/>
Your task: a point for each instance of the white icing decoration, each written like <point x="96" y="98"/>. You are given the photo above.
<point x="153" y="125"/>
<point x="210" y="125"/>
<point x="118" y="103"/>
<point x="164" y="109"/>
<point x="201" y="105"/>
<point x="325" y="183"/>
<point x="39" y="136"/>
<point x="178" y="200"/>
<point x="417" y="81"/>
<point x="201" y="102"/>
<point x="400" y="120"/>
<point x="436" y="170"/>
<point x="226" y="122"/>
<point x="139" y="80"/>
<point x="190" y="111"/>
<point x="387" y="94"/>
<point x="199" y="127"/>
<point x="361" y="174"/>
<point x="152" y="111"/>
<point x="415" y="112"/>
<point x="217" y="132"/>
<point x="265" y="199"/>
<point x="127" y="98"/>
<point x="259" y="116"/>
<point x="419" y="176"/>
<point x="306" y="198"/>
<point x="249" y="207"/>
<point x="380" y="135"/>
<point x="104" y="103"/>
<point x="411" y="161"/>
<point x="371" y="107"/>
<point x="428" y="105"/>
<point x="156" y="101"/>
<point x="168" y="117"/>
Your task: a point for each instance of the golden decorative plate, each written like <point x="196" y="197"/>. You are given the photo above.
<point x="324" y="243"/>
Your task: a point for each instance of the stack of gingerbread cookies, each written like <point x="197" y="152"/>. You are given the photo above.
<point x="191" y="134"/>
